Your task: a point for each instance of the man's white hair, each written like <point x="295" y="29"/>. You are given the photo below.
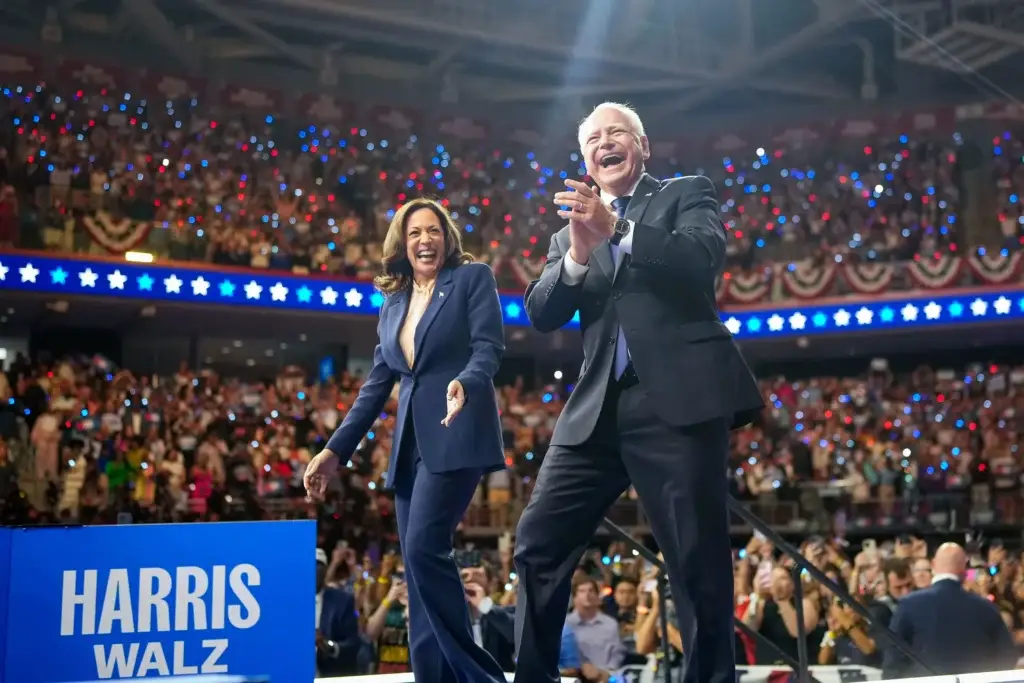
<point x="634" y="119"/>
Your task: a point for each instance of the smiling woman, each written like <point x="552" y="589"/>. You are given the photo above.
<point x="440" y="333"/>
<point x="421" y="231"/>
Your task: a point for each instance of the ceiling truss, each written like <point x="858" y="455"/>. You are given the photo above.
<point x="667" y="54"/>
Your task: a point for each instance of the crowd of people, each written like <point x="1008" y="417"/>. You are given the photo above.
<point x="84" y="441"/>
<point x="881" y="446"/>
<point x="105" y="171"/>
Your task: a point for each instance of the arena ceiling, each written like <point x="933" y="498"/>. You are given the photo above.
<point x="666" y="56"/>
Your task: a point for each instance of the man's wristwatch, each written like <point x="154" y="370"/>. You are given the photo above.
<point x="621" y="230"/>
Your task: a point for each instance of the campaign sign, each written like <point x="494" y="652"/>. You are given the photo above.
<point x="127" y="602"/>
<point x="5" y="580"/>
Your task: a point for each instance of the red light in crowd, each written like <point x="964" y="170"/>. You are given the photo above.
<point x="972" y="426"/>
<point x="533" y="240"/>
<point x="826" y="216"/>
<point x="494" y="244"/>
<point x="213" y="124"/>
<point x="508" y="218"/>
<point x="867" y="150"/>
<point x="727" y="275"/>
<point x="888" y="424"/>
<point x="776" y="211"/>
<point x="508" y="230"/>
<point x="940" y="398"/>
<point x="485" y="201"/>
<point x="828" y="414"/>
<point x="401" y="197"/>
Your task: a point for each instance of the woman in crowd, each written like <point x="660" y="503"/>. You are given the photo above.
<point x="441" y="337"/>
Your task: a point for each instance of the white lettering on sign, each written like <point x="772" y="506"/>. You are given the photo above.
<point x="117" y="661"/>
<point x="190" y="599"/>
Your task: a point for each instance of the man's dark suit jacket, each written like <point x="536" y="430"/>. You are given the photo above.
<point x="339" y="622"/>
<point x="497" y="628"/>
<point x="664" y="299"/>
<point x="952" y="630"/>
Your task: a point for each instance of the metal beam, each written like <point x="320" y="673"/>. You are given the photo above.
<point x="563" y="49"/>
<point x="442" y="59"/>
<point x="677" y="76"/>
<point x="232" y="17"/>
<point x="992" y="33"/>
<point x="418" y="41"/>
<point x="540" y="94"/>
<point x="162" y="30"/>
<point x="831" y="15"/>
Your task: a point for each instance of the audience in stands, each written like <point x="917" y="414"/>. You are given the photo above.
<point x="103" y="172"/>
<point x="88" y="442"/>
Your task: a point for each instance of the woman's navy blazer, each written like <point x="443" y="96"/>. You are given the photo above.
<point x="460" y="336"/>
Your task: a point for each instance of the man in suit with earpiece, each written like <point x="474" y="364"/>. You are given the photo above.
<point x="662" y="384"/>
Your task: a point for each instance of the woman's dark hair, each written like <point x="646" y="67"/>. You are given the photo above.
<point x="397" y="270"/>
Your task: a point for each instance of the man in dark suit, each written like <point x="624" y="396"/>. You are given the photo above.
<point x="662" y="383"/>
<point x="952" y="630"/>
<point x="493" y="625"/>
<point x="337" y="625"/>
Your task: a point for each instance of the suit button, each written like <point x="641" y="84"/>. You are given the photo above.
<point x="618" y="295"/>
<point x="611" y="340"/>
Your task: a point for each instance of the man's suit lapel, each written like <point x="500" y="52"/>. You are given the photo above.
<point x="645" y="190"/>
<point x="648" y="186"/>
<point x="442" y="293"/>
<point x="603" y="259"/>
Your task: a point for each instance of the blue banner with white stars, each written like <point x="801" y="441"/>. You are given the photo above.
<point x="180" y="283"/>
<point x="231" y="287"/>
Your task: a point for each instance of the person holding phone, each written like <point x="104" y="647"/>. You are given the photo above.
<point x="441" y="338"/>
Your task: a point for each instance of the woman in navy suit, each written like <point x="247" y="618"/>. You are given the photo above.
<point x="441" y="338"/>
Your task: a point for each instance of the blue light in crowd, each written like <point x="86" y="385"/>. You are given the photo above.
<point x="120" y="280"/>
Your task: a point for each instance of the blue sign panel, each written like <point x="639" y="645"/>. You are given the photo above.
<point x="5" y="580"/>
<point x="125" y="602"/>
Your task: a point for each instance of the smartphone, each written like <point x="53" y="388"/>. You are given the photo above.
<point x="870" y="545"/>
<point x="397" y="576"/>
<point x="650" y="585"/>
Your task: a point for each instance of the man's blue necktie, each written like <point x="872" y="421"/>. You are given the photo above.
<point x="621" y="350"/>
<point x="620" y="205"/>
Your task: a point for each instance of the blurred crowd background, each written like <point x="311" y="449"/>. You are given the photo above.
<point x="868" y="463"/>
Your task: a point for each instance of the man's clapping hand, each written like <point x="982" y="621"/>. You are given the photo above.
<point x="591" y="221"/>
